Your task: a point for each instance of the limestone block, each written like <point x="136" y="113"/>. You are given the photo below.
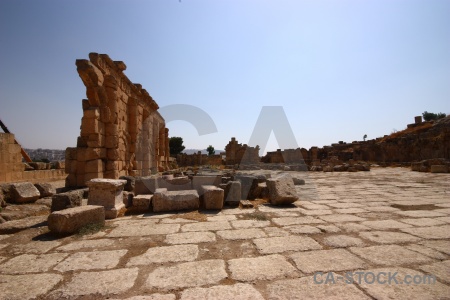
<point x="198" y="181"/>
<point x="94" y="166"/>
<point x="175" y="184"/>
<point x="108" y="193"/>
<point x="439" y="169"/>
<point x="89" y="126"/>
<point x="281" y="190"/>
<point x="67" y="200"/>
<point x="112" y="141"/>
<point x="232" y="193"/>
<point x="72" y="219"/>
<point x="175" y="200"/>
<point x="212" y="197"/>
<point x="129" y="186"/>
<point x="249" y="186"/>
<point x="24" y="192"/>
<point x="298" y="181"/>
<point x="142" y="202"/>
<point x="45" y="189"/>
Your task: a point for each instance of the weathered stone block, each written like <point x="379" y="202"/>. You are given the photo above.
<point x="72" y="219"/>
<point x="24" y="192"/>
<point x="212" y="197"/>
<point x="107" y="193"/>
<point x="282" y="190"/>
<point x="249" y="186"/>
<point x="198" y="181"/>
<point x="145" y="185"/>
<point x="175" y="184"/>
<point x="232" y="193"/>
<point x="175" y="200"/>
<point x="129" y="186"/>
<point x="439" y="169"/>
<point x="298" y="181"/>
<point x="67" y="200"/>
<point x="142" y="202"/>
<point x="45" y="189"/>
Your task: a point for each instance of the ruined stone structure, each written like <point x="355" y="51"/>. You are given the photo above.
<point x="122" y="132"/>
<point x="241" y="154"/>
<point x="12" y="169"/>
<point x="287" y="156"/>
<point x="198" y="159"/>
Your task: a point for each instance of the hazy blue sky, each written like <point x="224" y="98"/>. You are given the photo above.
<point x="340" y="69"/>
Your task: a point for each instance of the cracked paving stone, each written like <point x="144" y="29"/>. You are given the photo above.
<point x="422" y="222"/>
<point x="29" y="286"/>
<point x="240" y="224"/>
<point x="439" y="269"/>
<point x="385" y="224"/>
<point x="326" y="260"/>
<point x="238" y="291"/>
<point x="206" y="226"/>
<point x="35" y="247"/>
<point x="103" y="282"/>
<point x="154" y="297"/>
<point x="401" y="290"/>
<point x="328" y="228"/>
<point x="342" y="241"/>
<point x="426" y="251"/>
<point x="302" y="229"/>
<point x="190" y="237"/>
<point x="313" y="288"/>
<point x="189" y="274"/>
<point x="353" y="210"/>
<point x="421" y="213"/>
<point x="260" y="268"/>
<point x="440" y="245"/>
<point x="31" y="263"/>
<point x="390" y="255"/>
<point x="353" y="227"/>
<point x="221" y="218"/>
<point x="241" y="234"/>
<point x="275" y="231"/>
<point x="175" y="253"/>
<point x="91" y="260"/>
<point x="286" y="221"/>
<point x="147" y="228"/>
<point x="79" y="245"/>
<point x="336" y="218"/>
<point x="432" y="232"/>
<point x="388" y="237"/>
<point x="285" y="243"/>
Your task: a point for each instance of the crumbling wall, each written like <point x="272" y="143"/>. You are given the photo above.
<point x="237" y="153"/>
<point x="122" y="132"/>
<point x="198" y="159"/>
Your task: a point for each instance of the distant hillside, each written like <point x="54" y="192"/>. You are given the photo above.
<point x="192" y="151"/>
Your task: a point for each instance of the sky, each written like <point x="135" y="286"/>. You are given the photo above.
<point x="338" y="69"/>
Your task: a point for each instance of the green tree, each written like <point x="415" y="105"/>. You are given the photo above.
<point x="210" y="150"/>
<point x="428" y="116"/>
<point x="176" y="145"/>
<point x="365" y="137"/>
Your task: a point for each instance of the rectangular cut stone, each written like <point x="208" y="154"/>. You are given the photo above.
<point x="30" y="263"/>
<point x="199" y="180"/>
<point x="143" y="228"/>
<point x="191" y="237"/>
<point x="72" y="219"/>
<point x="388" y="237"/>
<point x="431" y="232"/>
<point x="282" y="190"/>
<point x="266" y="267"/>
<point x="142" y="202"/>
<point x="241" y="234"/>
<point x="232" y="193"/>
<point x="177" y="253"/>
<point x="108" y="193"/>
<point x="24" y="192"/>
<point x="206" y="226"/>
<point x="285" y="243"/>
<point x="91" y="260"/>
<point x="28" y="286"/>
<point x="175" y="200"/>
<point x="212" y="197"/>
<point x="326" y="260"/>
<point x="67" y="200"/>
<point x="390" y="255"/>
<point x="222" y="292"/>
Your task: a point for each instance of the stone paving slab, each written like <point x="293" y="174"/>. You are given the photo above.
<point x="390" y="255"/>
<point x="443" y="219"/>
<point x="175" y="253"/>
<point x="239" y="224"/>
<point x="29" y="286"/>
<point x="352" y="227"/>
<point x="190" y="237"/>
<point x="238" y="291"/>
<point x="286" y="243"/>
<point x="302" y="229"/>
<point x="328" y="228"/>
<point x="440" y="245"/>
<point x="421" y="213"/>
<point x="326" y="260"/>
<point x="385" y="224"/>
<point x="31" y="263"/>
<point x="154" y="297"/>
<point x="439" y="269"/>
<point x="402" y="290"/>
<point x="275" y="231"/>
<point x="241" y="234"/>
<point x="423" y="222"/>
<point x="353" y="210"/>
<point x="432" y="232"/>
<point x="35" y="247"/>
<point x="342" y="241"/>
<point x="221" y="218"/>
<point x="335" y="218"/>
<point x="316" y="212"/>
<point x="388" y="237"/>
<point x="307" y="288"/>
<point x="260" y="268"/>
<point x="91" y="260"/>
<point x="206" y="226"/>
<point x="88" y="244"/>
<point x="426" y="251"/>
<point x="22" y="224"/>
<point x="286" y="221"/>
<point x="190" y="274"/>
<point x="109" y="282"/>
<point x="137" y="229"/>
<point x="176" y="221"/>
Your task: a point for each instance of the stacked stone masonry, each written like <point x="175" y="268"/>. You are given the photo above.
<point x="122" y="132"/>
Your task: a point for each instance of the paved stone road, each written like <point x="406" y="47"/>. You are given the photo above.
<point x="386" y="220"/>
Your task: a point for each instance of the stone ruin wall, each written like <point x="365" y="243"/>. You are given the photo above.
<point x="12" y="169"/>
<point x="241" y="154"/>
<point x="122" y="132"/>
<point x="198" y="159"/>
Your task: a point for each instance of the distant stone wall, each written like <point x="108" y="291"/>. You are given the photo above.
<point x="237" y="153"/>
<point x="198" y="159"/>
<point x="13" y="170"/>
<point x="122" y="132"/>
